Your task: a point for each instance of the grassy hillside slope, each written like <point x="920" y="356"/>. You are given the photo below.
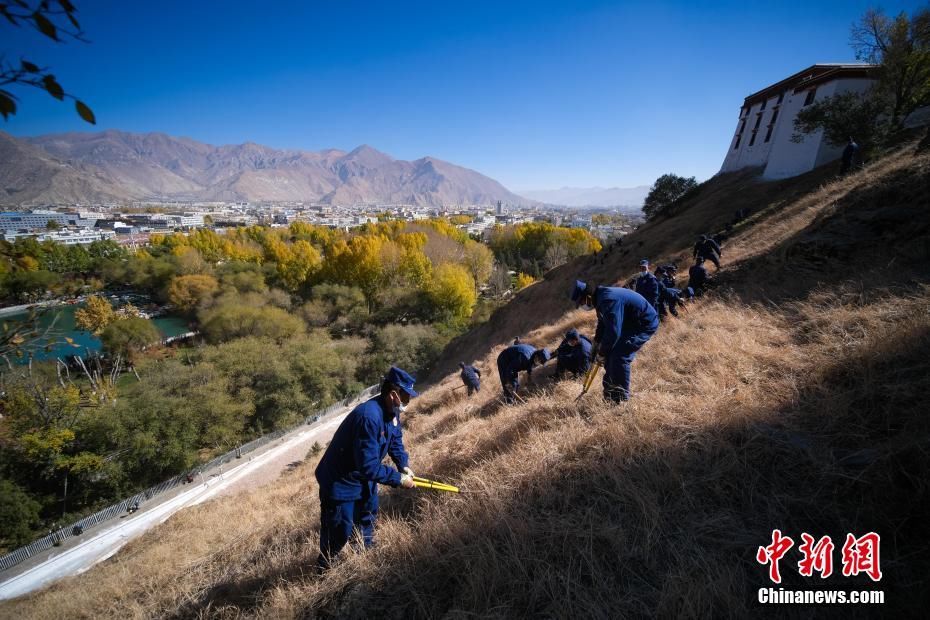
<point x="794" y="397"/>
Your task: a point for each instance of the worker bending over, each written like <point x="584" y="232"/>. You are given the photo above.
<point x="625" y="322"/>
<point x="513" y="360"/>
<point x="351" y="468"/>
<point x="574" y="355"/>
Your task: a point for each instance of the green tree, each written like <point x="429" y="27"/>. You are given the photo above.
<point x="666" y="190"/>
<point x="52" y="225"/>
<point x="30" y="286"/>
<point x="900" y="46"/>
<point x="227" y="322"/>
<point x="187" y="293"/>
<point x="860" y="116"/>
<point x="411" y="347"/>
<point x="479" y="261"/>
<point x="129" y="336"/>
<point x="19" y="516"/>
<point x="96" y="314"/>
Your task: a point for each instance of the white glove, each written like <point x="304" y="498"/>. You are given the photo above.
<point x="406" y="481"/>
<point x="409" y="472"/>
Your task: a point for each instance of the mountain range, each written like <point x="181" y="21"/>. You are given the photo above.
<point x="115" y="166"/>
<point x="630" y="197"/>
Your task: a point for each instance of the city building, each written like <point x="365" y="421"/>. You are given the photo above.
<point x="766" y="121"/>
<point x="32" y="220"/>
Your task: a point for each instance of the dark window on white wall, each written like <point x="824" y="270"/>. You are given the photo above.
<point x="781" y="97"/>
<point x="764" y="101"/>
<point x="768" y="133"/>
<point x="752" y="140"/>
<point x="810" y="96"/>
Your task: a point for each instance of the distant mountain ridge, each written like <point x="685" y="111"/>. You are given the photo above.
<point x="631" y="197"/>
<point x="117" y="166"/>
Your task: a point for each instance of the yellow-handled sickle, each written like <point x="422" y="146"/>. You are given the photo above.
<point x="589" y="378"/>
<point x="424" y="483"/>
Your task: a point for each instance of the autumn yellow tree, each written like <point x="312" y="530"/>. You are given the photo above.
<point x="96" y="314"/>
<point x="358" y="263"/>
<point x="188" y="292"/>
<point x="524" y="280"/>
<point x="452" y="292"/>
<point x="297" y="264"/>
<point x="479" y="261"/>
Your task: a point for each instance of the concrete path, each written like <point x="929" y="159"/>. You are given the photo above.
<point x="260" y="469"/>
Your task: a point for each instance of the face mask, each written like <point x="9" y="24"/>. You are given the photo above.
<point x="398" y="409"/>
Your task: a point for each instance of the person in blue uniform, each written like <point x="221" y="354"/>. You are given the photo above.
<point x="513" y="360"/>
<point x="351" y="468"/>
<point x="471" y="377"/>
<point x="708" y="249"/>
<point x="646" y="284"/>
<point x="625" y="322"/>
<point x="697" y="277"/>
<point x="669" y="294"/>
<point x="573" y="355"/>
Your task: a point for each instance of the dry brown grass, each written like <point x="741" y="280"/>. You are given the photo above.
<point x="806" y="415"/>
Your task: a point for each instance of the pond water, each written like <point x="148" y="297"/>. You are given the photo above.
<point x="63" y="316"/>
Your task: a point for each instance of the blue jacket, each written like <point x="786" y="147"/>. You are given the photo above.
<point x="351" y="466"/>
<point x="471" y="376"/>
<point x="706" y="247"/>
<point x="577" y="358"/>
<point x="515" y="358"/>
<point x="697" y="276"/>
<point x="622" y="315"/>
<point x="648" y="287"/>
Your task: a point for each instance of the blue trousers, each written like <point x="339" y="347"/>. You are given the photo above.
<point x="510" y="383"/>
<point x="617" y="367"/>
<point x="669" y="301"/>
<point x="338" y="522"/>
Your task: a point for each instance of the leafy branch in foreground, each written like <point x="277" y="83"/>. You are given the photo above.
<point x="55" y="20"/>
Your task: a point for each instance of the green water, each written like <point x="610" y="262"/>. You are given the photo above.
<point x="64" y="327"/>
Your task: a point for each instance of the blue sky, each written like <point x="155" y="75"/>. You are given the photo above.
<point x="537" y="94"/>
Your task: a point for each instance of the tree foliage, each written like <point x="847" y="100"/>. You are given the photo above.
<point x="129" y="336"/>
<point x="452" y="293"/>
<point x="54" y="19"/>
<point x="900" y="46"/>
<point x="523" y="280"/>
<point x="187" y="293"/>
<point x="845" y="115"/>
<point x="229" y="321"/>
<point x="666" y="190"/>
<point x="524" y="246"/>
<point x="19" y="516"/>
<point x="96" y="314"/>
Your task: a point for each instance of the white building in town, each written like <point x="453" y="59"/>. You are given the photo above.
<point x="766" y="121"/>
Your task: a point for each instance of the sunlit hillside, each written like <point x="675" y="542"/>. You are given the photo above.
<point x="792" y="397"/>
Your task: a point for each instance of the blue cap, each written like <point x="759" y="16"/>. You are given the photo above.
<point x="578" y="291"/>
<point x="644" y="262"/>
<point x="571" y="334"/>
<point x="544" y="353"/>
<point x="401" y="379"/>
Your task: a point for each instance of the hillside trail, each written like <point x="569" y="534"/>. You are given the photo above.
<point x="790" y="398"/>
